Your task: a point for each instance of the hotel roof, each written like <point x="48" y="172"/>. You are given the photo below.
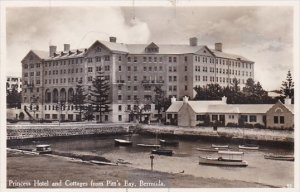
<point x="164" y="49"/>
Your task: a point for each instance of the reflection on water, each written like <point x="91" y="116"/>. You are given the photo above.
<point x="277" y="173"/>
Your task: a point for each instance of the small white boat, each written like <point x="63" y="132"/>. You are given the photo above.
<point x="122" y="142"/>
<point x="148" y="145"/>
<point x="103" y="163"/>
<point x="280" y="157"/>
<point x="225" y="158"/>
<point x="250" y="147"/>
<point x="43" y="149"/>
<point x="219" y="146"/>
<point x="207" y="149"/>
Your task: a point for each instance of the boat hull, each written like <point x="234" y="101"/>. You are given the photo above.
<point x="219" y="146"/>
<point x="248" y="147"/>
<point x="207" y="149"/>
<point x="162" y="152"/>
<point x="279" y="157"/>
<point x="120" y="142"/>
<point x="148" y="145"/>
<point x="168" y="143"/>
<point x="223" y="162"/>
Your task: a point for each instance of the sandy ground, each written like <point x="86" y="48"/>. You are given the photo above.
<point x="25" y="170"/>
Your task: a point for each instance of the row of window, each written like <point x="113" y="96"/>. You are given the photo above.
<point x="63" y="80"/>
<point x="134" y="107"/>
<point x="135" y="97"/>
<point x="224" y="71"/>
<point x="63" y="71"/>
<point x="217" y="79"/>
<point x="222" y="61"/>
<point x="32" y="65"/>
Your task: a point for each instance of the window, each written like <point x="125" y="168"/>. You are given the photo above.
<point x="174" y="59"/>
<point x="129" y="59"/>
<point x="185" y="78"/>
<point x="135" y="59"/>
<point x="128" y="97"/>
<point x="135" y="78"/>
<point x="90" y="69"/>
<point x="185" y="68"/>
<point x="214" y="117"/>
<point x="185" y="58"/>
<point x="106" y="58"/>
<point x="119" y="97"/>
<point x="252" y="118"/>
<point x="135" y="68"/>
<point x="175" y="78"/>
<point x="244" y="118"/>
<point x="120" y="58"/>
<point x="128" y="68"/>
<point x="200" y="117"/>
<point x="186" y="87"/>
<point x="281" y="119"/>
<point x="90" y="78"/>
<point x="169" y="116"/>
<point x="120" y="68"/>
<point x="276" y="119"/>
<point x="120" y="107"/>
<point x="98" y="59"/>
<point x="90" y="60"/>
<point x="170" y="78"/>
<point x="120" y="117"/>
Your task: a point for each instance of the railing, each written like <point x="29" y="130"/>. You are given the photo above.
<point x="152" y="81"/>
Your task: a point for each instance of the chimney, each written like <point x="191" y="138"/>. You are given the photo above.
<point x="113" y="39"/>
<point x="218" y="47"/>
<point x="287" y="101"/>
<point x="173" y="99"/>
<point x="52" y="50"/>
<point x="185" y="99"/>
<point x="193" y="41"/>
<point x="224" y="100"/>
<point x="66" y="47"/>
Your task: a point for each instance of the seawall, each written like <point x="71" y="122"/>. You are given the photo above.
<point x="40" y="131"/>
<point x="232" y="134"/>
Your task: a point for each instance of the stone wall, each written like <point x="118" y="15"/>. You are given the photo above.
<point x="47" y="131"/>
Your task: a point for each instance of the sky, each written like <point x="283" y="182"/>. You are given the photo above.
<point x="262" y="34"/>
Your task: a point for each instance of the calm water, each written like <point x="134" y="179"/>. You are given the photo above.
<point x="260" y="170"/>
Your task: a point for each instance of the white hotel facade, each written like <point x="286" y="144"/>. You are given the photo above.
<point x="134" y="70"/>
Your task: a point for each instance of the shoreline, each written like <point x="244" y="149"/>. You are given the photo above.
<point x="27" y="132"/>
<point x="68" y="168"/>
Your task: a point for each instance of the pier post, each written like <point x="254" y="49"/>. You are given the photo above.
<point x="151" y="159"/>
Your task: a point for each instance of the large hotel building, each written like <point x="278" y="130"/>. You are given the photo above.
<point x="134" y="70"/>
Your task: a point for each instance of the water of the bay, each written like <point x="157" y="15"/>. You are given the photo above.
<point x="185" y="159"/>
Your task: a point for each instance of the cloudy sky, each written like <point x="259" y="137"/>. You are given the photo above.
<point x="262" y="34"/>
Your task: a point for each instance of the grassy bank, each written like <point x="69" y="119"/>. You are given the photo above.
<point x="65" y="172"/>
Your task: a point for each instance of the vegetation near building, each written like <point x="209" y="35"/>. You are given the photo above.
<point x="287" y="88"/>
<point x="252" y="93"/>
<point x="13" y="98"/>
<point x="79" y="99"/>
<point x="100" y="94"/>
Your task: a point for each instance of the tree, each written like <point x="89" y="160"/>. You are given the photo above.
<point x="13" y="98"/>
<point x="89" y="113"/>
<point x="161" y="101"/>
<point x="79" y="99"/>
<point x="287" y="88"/>
<point x="100" y="94"/>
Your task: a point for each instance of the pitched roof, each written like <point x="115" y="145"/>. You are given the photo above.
<point x="220" y="107"/>
<point x="175" y="107"/>
<point x="163" y="49"/>
<point x="41" y="54"/>
<point x="228" y="55"/>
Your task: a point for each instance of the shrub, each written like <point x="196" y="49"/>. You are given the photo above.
<point x="232" y="125"/>
<point x="258" y="125"/>
<point x="248" y="125"/>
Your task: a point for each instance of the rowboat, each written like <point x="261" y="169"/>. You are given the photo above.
<point x="148" y="145"/>
<point x="225" y="158"/>
<point x="103" y="163"/>
<point x="123" y="142"/>
<point x="168" y="142"/>
<point x="166" y="152"/>
<point x="250" y="147"/>
<point x="207" y="149"/>
<point x="219" y="146"/>
<point x="43" y="149"/>
<point x="280" y="157"/>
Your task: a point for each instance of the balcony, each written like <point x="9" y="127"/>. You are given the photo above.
<point x="121" y="82"/>
<point x="152" y="82"/>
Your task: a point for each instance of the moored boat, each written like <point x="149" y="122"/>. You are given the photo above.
<point x="103" y="163"/>
<point x="43" y="149"/>
<point x="219" y="146"/>
<point x="123" y="142"/>
<point x="280" y="157"/>
<point x="250" y="147"/>
<point x="166" y="152"/>
<point x="168" y="142"/>
<point x="207" y="149"/>
<point x="148" y="145"/>
<point x="232" y="158"/>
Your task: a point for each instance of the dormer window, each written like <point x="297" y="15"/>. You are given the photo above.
<point x="152" y="48"/>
